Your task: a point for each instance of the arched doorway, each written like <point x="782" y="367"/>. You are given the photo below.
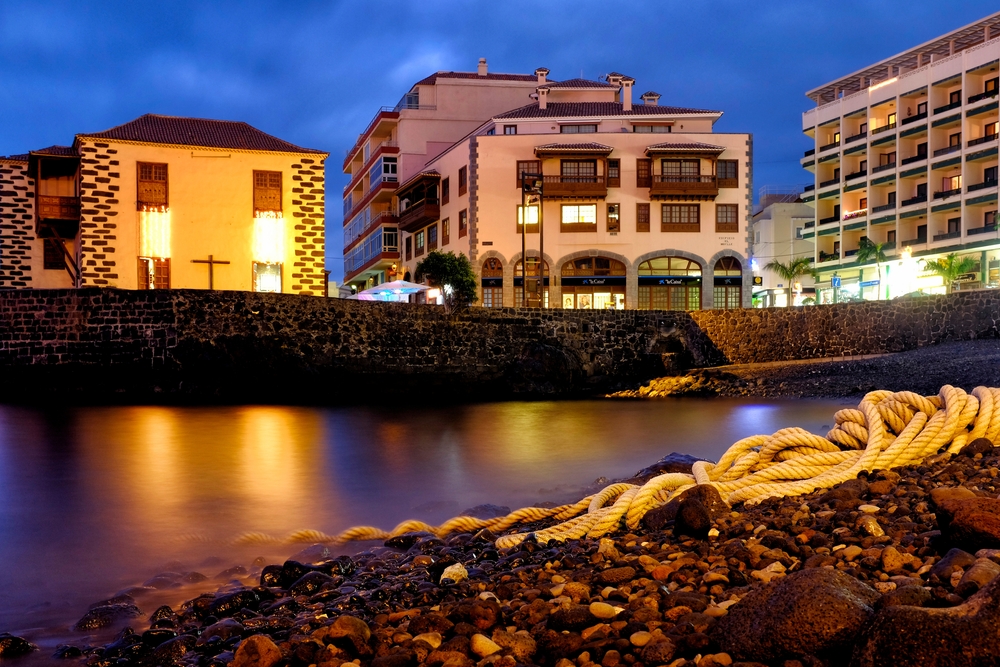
<point x="669" y="283"/>
<point x="492" y="283"/>
<point x="728" y="288"/>
<point x="593" y="282"/>
<point x="531" y="271"/>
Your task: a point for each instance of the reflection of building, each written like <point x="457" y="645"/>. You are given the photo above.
<point x="778" y="235"/>
<point x="165" y="202"/>
<point x="905" y="154"/>
<point x="648" y="210"/>
<point x="437" y="111"/>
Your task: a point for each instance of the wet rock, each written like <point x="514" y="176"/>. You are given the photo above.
<point x="310" y="582"/>
<point x="660" y="653"/>
<point x="483" y="646"/>
<point x="312" y="554"/>
<point x="227" y="605"/>
<point x="256" y="651"/>
<point x="571" y="617"/>
<point x="521" y="646"/>
<point x="431" y="622"/>
<point x="955" y="559"/>
<point x="982" y="572"/>
<point x="107" y="615"/>
<point x="971" y="524"/>
<point x="168" y="653"/>
<point x="234" y="572"/>
<point x="944" y="493"/>
<point x="673" y="462"/>
<point x="346" y="632"/>
<point x="852" y="489"/>
<point x="812" y="612"/>
<point x="454" y="573"/>
<point x="916" y="596"/>
<point x="977" y="446"/>
<point x="616" y="575"/>
<point x="904" y="636"/>
<point x="223" y="630"/>
<point x="13" y="647"/>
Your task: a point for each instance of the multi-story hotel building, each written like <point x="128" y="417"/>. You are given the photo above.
<point x="165" y="202"/>
<point x="642" y="205"/>
<point x="905" y="154"/>
<point x="399" y="140"/>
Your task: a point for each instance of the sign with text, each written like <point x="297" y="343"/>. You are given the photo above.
<point x="669" y="280"/>
<point x="593" y="281"/>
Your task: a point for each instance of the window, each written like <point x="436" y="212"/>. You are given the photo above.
<point x="727" y="172"/>
<point x="955" y="97"/>
<point x="432" y="237"/>
<point x="949" y="183"/>
<point x="531" y="271"/>
<point x="836" y="137"/>
<point x="53" y="254"/>
<point x="922" y="149"/>
<point x="463" y="181"/>
<point x="651" y="129"/>
<point x="955" y="139"/>
<point x="642" y="217"/>
<point x="990" y="218"/>
<point x="643" y="173"/>
<point x="681" y="171"/>
<point x="954" y="225"/>
<point x="390" y="239"/>
<point x="990" y="174"/>
<point x="669" y="283"/>
<point x="510" y="129"/>
<point x="581" y="290"/>
<point x="798" y="234"/>
<point x="267" y="191"/>
<point x="727" y="291"/>
<point x="891" y="120"/>
<point x="680" y="218"/>
<point x="890" y="236"/>
<point x="578" y="171"/>
<point x="463" y="223"/>
<point x="267" y="277"/>
<point x="492" y="283"/>
<point x="579" y="218"/>
<point x="990" y="85"/>
<point x="863" y="165"/>
<point x="921" y="107"/>
<point x="726" y="218"/>
<point x="445" y="191"/>
<point x="445" y="231"/>
<point x="614" y="174"/>
<point x="892" y="198"/>
<point x="921" y="189"/>
<point x="863" y="202"/>
<point x="152" y="185"/>
<point x="578" y="129"/>
<point x="863" y="128"/>
<point x="527" y="167"/>
<point x="409" y="247"/>
<point x="154" y="273"/>
<point x="532" y="219"/>
<point x="991" y="128"/>
<point x="491" y="132"/>
<point x="887" y="158"/>
<point x="419" y="243"/>
<point x="614" y="218"/>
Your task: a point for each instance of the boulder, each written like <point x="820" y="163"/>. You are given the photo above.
<point x="13" y="647"/>
<point x="694" y="510"/>
<point x="904" y="636"/>
<point x="977" y="446"/>
<point x="106" y="615"/>
<point x="256" y="651"/>
<point x="816" y="612"/>
<point x="970" y="524"/>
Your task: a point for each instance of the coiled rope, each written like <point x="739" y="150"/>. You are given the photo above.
<point x="886" y="430"/>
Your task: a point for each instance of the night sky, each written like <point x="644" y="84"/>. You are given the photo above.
<point x="314" y="73"/>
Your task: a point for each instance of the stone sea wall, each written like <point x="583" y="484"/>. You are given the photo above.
<point x="97" y="343"/>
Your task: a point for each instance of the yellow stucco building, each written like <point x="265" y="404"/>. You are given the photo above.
<point x="165" y="202"/>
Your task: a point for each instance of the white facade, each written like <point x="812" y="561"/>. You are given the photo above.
<point x="779" y="234"/>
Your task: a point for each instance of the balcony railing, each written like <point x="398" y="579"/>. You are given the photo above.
<point x="947" y="235"/>
<point x="419" y="214"/>
<point x="851" y="215"/>
<point x="884" y="207"/>
<point x="809" y="187"/>
<point x="828" y="256"/>
<point x="810" y="224"/>
<point x="947" y="149"/>
<point x="857" y="174"/>
<point x="58" y="208"/>
<point x="948" y="107"/>
<point x="917" y="241"/>
<point x="883" y="167"/>
<point x="919" y="157"/>
<point x="919" y="199"/>
<point x="884" y="128"/>
<point x="983" y="185"/>
<point x="988" y="229"/>
<point x="811" y="151"/>
<point x="832" y="181"/>
<point x="678" y="185"/>
<point x="855" y="137"/>
<point x="982" y="96"/>
<point x="832" y="218"/>
<point x="914" y="119"/>
<point x="889" y="245"/>
<point x="850" y="253"/>
<point x="829" y="146"/>
<point x="982" y="140"/>
<point x="944" y="194"/>
<point x="575" y="186"/>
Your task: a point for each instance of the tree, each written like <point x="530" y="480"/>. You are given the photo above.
<point x="950" y="267"/>
<point x="795" y="268"/>
<point x="453" y="274"/>
<point x="869" y="251"/>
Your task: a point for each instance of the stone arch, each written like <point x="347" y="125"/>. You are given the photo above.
<point x="631" y="292"/>
<point x="477" y="266"/>
<point x="508" y="278"/>
<point x="706" y="288"/>
<point x="746" y="295"/>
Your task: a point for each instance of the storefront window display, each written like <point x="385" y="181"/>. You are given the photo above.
<point x="593" y="282"/>
<point x="669" y="283"/>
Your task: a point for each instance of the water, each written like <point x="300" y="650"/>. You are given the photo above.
<point x="94" y="500"/>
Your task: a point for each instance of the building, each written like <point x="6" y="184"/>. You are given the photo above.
<point x="399" y="140"/>
<point x="778" y="234"/>
<point x="642" y="205"/>
<point x="905" y="154"/>
<point x="165" y="202"/>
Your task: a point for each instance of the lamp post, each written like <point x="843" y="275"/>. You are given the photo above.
<point x="531" y="188"/>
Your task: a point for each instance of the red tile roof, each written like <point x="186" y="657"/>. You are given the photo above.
<point x="57" y="150"/>
<point x="577" y="83"/>
<point x="154" y="129"/>
<point x="686" y="147"/>
<point x="432" y="79"/>
<point x="594" y="109"/>
<point x="590" y="147"/>
<point x="20" y="157"/>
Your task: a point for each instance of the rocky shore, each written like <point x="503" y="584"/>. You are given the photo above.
<point x="897" y="568"/>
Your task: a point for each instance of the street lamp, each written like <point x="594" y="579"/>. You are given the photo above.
<point x="531" y="190"/>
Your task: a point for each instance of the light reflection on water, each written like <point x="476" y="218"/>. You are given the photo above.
<point x="93" y="500"/>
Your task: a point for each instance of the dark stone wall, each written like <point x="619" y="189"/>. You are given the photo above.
<point x="96" y="344"/>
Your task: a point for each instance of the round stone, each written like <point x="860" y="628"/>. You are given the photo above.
<point x="640" y="638"/>
<point x="602" y="610"/>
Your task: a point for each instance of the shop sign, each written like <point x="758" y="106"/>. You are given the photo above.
<point x="835" y="281"/>
<point x="492" y="282"/>
<point x="593" y="281"/>
<point x="758" y="281"/>
<point x="734" y="281"/>
<point x="870" y="283"/>
<point x="669" y="280"/>
<point x="518" y="280"/>
<point x="967" y="278"/>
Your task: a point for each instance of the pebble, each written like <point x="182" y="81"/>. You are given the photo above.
<point x="483" y="646"/>
<point x="602" y="610"/>
<point x="869" y="509"/>
<point x="640" y="638"/>
<point x="432" y="639"/>
<point x="456" y="573"/>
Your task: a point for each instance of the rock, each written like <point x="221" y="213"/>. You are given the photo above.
<point x="905" y="636"/>
<point x="486" y="511"/>
<point x="13" y="647"/>
<point x="660" y="653"/>
<point x="432" y="639"/>
<point x="943" y="493"/>
<point x="169" y="653"/>
<point x="892" y="560"/>
<point x="982" y="572"/>
<point x="640" y="638"/>
<point x="881" y="488"/>
<point x="851" y="552"/>
<point x="869" y="509"/>
<point x="977" y="446"/>
<point x="483" y="646"/>
<point x="971" y="524"/>
<point x="616" y="575"/>
<point x="602" y="610"/>
<point x="521" y="645"/>
<point x="703" y="506"/>
<point x="432" y="622"/>
<point x="811" y="612"/>
<point x="692" y="519"/>
<point x="455" y="573"/>
<point x="953" y="560"/>
<point x="871" y="526"/>
<point x="916" y="596"/>
<point x="256" y="651"/>
<point x="673" y="462"/>
<point x="571" y="617"/>
<point x="224" y="629"/>
<point x="309" y="583"/>
<point x="346" y="632"/>
<point x="106" y="615"/>
<point x="576" y="591"/>
<point x="313" y="554"/>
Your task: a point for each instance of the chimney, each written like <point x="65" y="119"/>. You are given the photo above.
<point x="482" y="67"/>
<point x="541" y="73"/>
<point x="627" y="93"/>
<point x="543" y="96"/>
<point x="651" y="99"/>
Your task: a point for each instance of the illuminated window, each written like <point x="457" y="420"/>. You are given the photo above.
<point x="154" y="273"/>
<point x="266" y="277"/>
<point x="266" y="191"/>
<point x="532" y="218"/>
<point x="151" y="186"/>
<point x="614" y="217"/>
<point x="579" y="214"/>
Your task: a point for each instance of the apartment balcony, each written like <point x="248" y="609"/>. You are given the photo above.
<point x="883" y="167"/>
<point x="884" y="207"/>
<point x="829" y="146"/>
<point x="852" y="215"/>
<point x="919" y="199"/>
<point x="810" y="224"/>
<point x="946" y="236"/>
<point x="706" y="187"/>
<point x="944" y="194"/>
<point x="917" y="241"/>
<point x="914" y="119"/>
<point x="884" y="128"/>
<point x="988" y="229"/>
<point x="811" y="151"/>
<point x="982" y="140"/>
<point x="58" y="208"/>
<point x="419" y="214"/>
<point x="832" y="181"/>
<point x="828" y="257"/>
<point x="850" y="253"/>
<point x="830" y="220"/>
<point x="982" y="186"/>
<point x="948" y="107"/>
<point x="889" y="245"/>
<point x="856" y="137"/>
<point x="982" y="96"/>
<point x="857" y="174"/>
<point x="919" y="157"/>
<point x="585" y="187"/>
<point x="809" y="188"/>
<point x="947" y="149"/>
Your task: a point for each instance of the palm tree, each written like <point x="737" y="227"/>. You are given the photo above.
<point x="800" y="266"/>
<point x="950" y="267"/>
<point x="869" y="251"/>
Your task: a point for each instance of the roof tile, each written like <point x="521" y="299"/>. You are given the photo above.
<point x="595" y="109"/>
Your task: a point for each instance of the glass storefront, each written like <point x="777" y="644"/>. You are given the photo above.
<point x="593" y="282"/>
<point x="669" y="283"/>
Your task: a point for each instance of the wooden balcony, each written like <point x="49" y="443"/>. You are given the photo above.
<point x="684" y="187"/>
<point x="58" y="208"/>
<point x="574" y="187"/>
<point x="419" y="215"/>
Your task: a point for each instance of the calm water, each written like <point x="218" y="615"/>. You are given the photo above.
<point x="94" y="500"/>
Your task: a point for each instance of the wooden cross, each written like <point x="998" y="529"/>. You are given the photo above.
<point x="211" y="261"/>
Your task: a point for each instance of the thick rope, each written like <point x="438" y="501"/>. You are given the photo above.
<point x="886" y="430"/>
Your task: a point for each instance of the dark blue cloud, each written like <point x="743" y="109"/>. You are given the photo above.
<point x="313" y="73"/>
